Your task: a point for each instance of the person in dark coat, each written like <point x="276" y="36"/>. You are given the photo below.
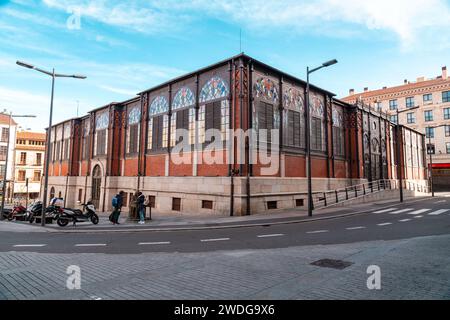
<point x="140" y="206"/>
<point x="117" y="207"/>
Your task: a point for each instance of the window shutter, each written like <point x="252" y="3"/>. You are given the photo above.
<point x="290" y="128"/>
<point x="217" y="115"/>
<point x="209" y="116"/>
<point x="296" y="128"/>
<point x="155" y="132"/>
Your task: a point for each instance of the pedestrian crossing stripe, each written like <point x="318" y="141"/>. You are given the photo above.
<point x="419" y="211"/>
<point x="438" y="212"/>
<point x="386" y="210"/>
<point x="401" y="211"/>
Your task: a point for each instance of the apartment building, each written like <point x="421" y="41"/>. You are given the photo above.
<point x="8" y="132"/>
<point x="29" y="165"/>
<point x="424" y="105"/>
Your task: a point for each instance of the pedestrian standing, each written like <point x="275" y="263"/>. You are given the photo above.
<point x="117" y="204"/>
<point x="141" y="207"/>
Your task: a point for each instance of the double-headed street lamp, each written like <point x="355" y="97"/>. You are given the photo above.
<point x="49" y="130"/>
<point x="5" y="171"/>
<point x="431" y="157"/>
<point x="308" y="133"/>
<point x="399" y="151"/>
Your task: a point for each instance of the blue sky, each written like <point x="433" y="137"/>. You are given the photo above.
<point x="124" y="47"/>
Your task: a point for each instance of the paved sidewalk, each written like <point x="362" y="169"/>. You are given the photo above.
<point x="410" y="269"/>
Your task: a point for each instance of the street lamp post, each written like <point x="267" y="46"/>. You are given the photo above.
<point x="49" y="130"/>
<point x="431" y="158"/>
<point x="399" y="166"/>
<point x="308" y="133"/>
<point x="5" y="171"/>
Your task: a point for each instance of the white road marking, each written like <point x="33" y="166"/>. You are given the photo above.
<point x="401" y="211"/>
<point x="441" y="201"/>
<point x="419" y="211"/>
<point x="386" y="210"/>
<point x="404" y="220"/>
<point x="29" y="245"/>
<point x="318" y="231"/>
<point x="355" y="228"/>
<point x="271" y="235"/>
<point x="384" y="224"/>
<point x="438" y="212"/>
<point x="95" y="298"/>
<point x="418" y="217"/>
<point x="212" y="240"/>
<point x="153" y="243"/>
<point x="91" y="245"/>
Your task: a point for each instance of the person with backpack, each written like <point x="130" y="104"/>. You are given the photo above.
<point x="117" y="203"/>
<point x="140" y="206"/>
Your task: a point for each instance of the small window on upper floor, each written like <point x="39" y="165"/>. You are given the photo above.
<point x="393" y="105"/>
<point x="427" y="97"/>
<point x="445" y="96"/>
<point x="410" y="102"/>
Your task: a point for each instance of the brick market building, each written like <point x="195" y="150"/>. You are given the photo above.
<point x="127" y="145"/>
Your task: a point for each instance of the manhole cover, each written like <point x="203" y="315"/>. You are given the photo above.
<point x="330" y="263"/>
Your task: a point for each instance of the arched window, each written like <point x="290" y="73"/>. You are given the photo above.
<point x="52" y="192"/>
<point x="66" y="141"/>
<point x="183" y="115"/>
<point x="317" y="109"/>
<point x="267" y="116"/>
<point x="86" y="141"/>
<point x="338" y="132"/>
<point x="294" y="118"/>
<point x="214" y="108"/>
<point x="101" y="134"/>
<point x="133" y="130"/>
<point x="158" y="124"/>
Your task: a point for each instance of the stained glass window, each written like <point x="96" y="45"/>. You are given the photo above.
<point x="266" y="89"/>
<point x="134" y="116"/>
<point x="215" y="88"/>
<point x="67" y="131"/>
<point x="338" y="119"/>
<point x="102" y="121"/>
<point x="293" y="99"/>
<point x="317" y="107"/>
<point x="184" y="98"/>
<point x="159" y="105"/>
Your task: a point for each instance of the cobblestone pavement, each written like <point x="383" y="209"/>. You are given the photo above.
<point x="416" y="268"/>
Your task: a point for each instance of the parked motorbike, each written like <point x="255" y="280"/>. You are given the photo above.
<point x="75" y="215"/>
<point x="18" y="213"/>
<point x="6" y="213"/>
<point x="35" y="213"/>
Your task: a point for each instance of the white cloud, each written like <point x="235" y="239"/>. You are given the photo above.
<point x="121" y="91"/>
<point x="403" y="18"/>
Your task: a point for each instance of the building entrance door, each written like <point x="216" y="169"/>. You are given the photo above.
<point x="96" y="186"/>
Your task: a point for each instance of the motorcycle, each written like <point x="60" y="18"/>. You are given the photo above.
<point x="35" y="213"/>
<point x="18" y="213"/>
<point x="76" y="215"/>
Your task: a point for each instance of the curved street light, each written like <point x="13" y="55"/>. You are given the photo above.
<point x="49" y="130"/>
<point x="308" y="132"/>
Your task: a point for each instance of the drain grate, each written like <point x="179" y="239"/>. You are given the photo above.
<point x="334" y="264"/>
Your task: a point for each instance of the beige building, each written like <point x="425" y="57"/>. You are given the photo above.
<point x="29" y="165"/>
<point x="7" y="132"/>
<point x="429" y="101"/>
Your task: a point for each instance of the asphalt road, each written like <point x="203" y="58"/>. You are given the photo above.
<point x="400" y="221"/>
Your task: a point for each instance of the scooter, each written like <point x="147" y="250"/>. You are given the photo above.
<point x="35" y="213"/>
<point x="18" y="213"/>
<point x="76" y="215"/>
